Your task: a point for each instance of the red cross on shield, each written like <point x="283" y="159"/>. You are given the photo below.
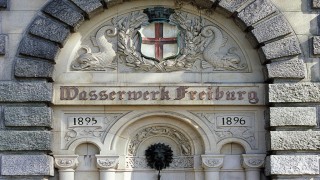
<point x="159" y="40"/>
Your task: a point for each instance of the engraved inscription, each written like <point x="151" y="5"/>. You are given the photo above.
<point x="233" y="120"/>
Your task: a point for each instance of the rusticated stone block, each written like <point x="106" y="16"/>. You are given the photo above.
<point x="27" y="116"/>
<point x="3" y="3"/>
<point x="316" y="3"/>
<point x="281" y="48"/>
<point x="295" y="140"/>
<point x="229" y="7"/>
<point x="273" y="28"/>
<point x="3" y="44"/>
<point x="294" y="92"/>
<point x="111" y="3"/>
<point x="292" y="69"/>
<point x="24" y="92"/>
<point x="90" y="7"/>
<point x="16" y="165"/>
<point x="40" y="48"/>
<point x="48" y="29"/>
<point x="255" y="12"/>
<point x="292" y="165"/>
<point x="63" y="12"/>
<point x="25" y="140"/>
<point x="316" y="45"/>
<point x="293" y="116"/>
<point x="33" y="68"/>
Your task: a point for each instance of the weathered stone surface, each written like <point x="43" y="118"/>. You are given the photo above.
<point x="63" y="12"/>
<point x="294" y="92"/>
<point x="3" y="44"/>
<point x="37" y="47"/>
<point x="111" y="3"/>
<point x="316" y="3"/>
<point x="255" y="12"/>
<point x="3" y="3"/>
<point x="273" y="28"/>
<point x="281" y="48"/>
<point x="292" y="69"/>
<point x="25" y="140"/>
<point x="91" y="7"/>
<point x="48" y="29"/>
<point x="33" y="68"/>
<point x="27" y="116"/>
<point x="292" y="165"/>
<point x="295" y="140"/>
<point x="316" y="45"/>
<point x="13" y="165"/>
<point x="293" y="116"/>
<point x="24" y="92"/>
<point x="229" y="7"/>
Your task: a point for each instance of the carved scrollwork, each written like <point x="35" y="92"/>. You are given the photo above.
<point x="107" y="162"/>
<point x="199" y="47"/>
<point x="212" y="161"/>
<point x="148" y="132"/>
<point x="66" y="161"/>
<point x="253" y="160"/>
<point x="178" y="162"/>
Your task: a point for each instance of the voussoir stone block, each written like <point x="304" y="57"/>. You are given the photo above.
<point x="90" y="7"/>
<point x="25" y="140"/>
<point x="40" y="48"/>
<point x="275" y="27"/>
<point x="255" y="12"/>
<point x="32" y="165"/>
<point x="295" y="140"/>
<point x="25" y="91"/>
<point x="292" y="165"/>
<point x="293" y="116"/>
<point x="316" y="45"/>
<point x="281" y="48"/>
<point x="65" y="13"/>
<point x="3" y="44"/>
<point x="49" y="29"/>
<point x="294" y="92"/>
<point x="27" y="116"/>
<point x="291" y="69"/>
<point x="229" y="7"/>
<point x="33" y="68"/>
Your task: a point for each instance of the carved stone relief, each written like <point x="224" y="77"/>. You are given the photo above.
<point x="212" y="161"/>
<point x="107" y="162"/>
<point x="178" y="162"/>
<point x="245" y="132"/>
<point x="66" y="161"/>
<point x="202" y="45"/>
<point x="161" y="131"/>
<point x="90" y="130"/>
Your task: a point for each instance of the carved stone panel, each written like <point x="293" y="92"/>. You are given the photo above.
<point x="159" y="39"/>
<point x="178" y="162"/>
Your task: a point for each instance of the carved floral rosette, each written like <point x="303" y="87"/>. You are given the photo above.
<point x="107" y="162"/>
<point x="212" y="161"/>
<point x="63" y="162"/>
<point x="249" y="161"/>
<point x="178" y="162"/>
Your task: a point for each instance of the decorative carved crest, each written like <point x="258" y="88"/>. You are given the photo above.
<point x="66" y="161"/>
<point x="212" y="161"/>
<point x="107" y="162"/>
<point x="123" y="45"/>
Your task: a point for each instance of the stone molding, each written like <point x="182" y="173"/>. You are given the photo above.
<point x="64" y="162"/>
<point x="253" y="161"/>
<point x="212" y="161"/>
<point x="107" y="162"/>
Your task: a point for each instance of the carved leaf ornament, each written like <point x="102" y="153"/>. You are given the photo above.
<point x="159" y="40"/>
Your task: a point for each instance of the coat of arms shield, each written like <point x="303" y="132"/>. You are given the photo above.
<point x="159" y="41"/>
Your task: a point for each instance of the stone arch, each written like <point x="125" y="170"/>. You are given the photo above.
<point x="141" y="121"/>
<point x="266" y="28"/>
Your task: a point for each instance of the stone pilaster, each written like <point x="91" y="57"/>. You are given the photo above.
<point x="252" y="164"/>
<point x="212" y="165"/>
<point x="66" y="165"/>
<point x="107" y="166"/>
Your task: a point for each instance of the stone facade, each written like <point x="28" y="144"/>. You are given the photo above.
<point x="38" y="41"/>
